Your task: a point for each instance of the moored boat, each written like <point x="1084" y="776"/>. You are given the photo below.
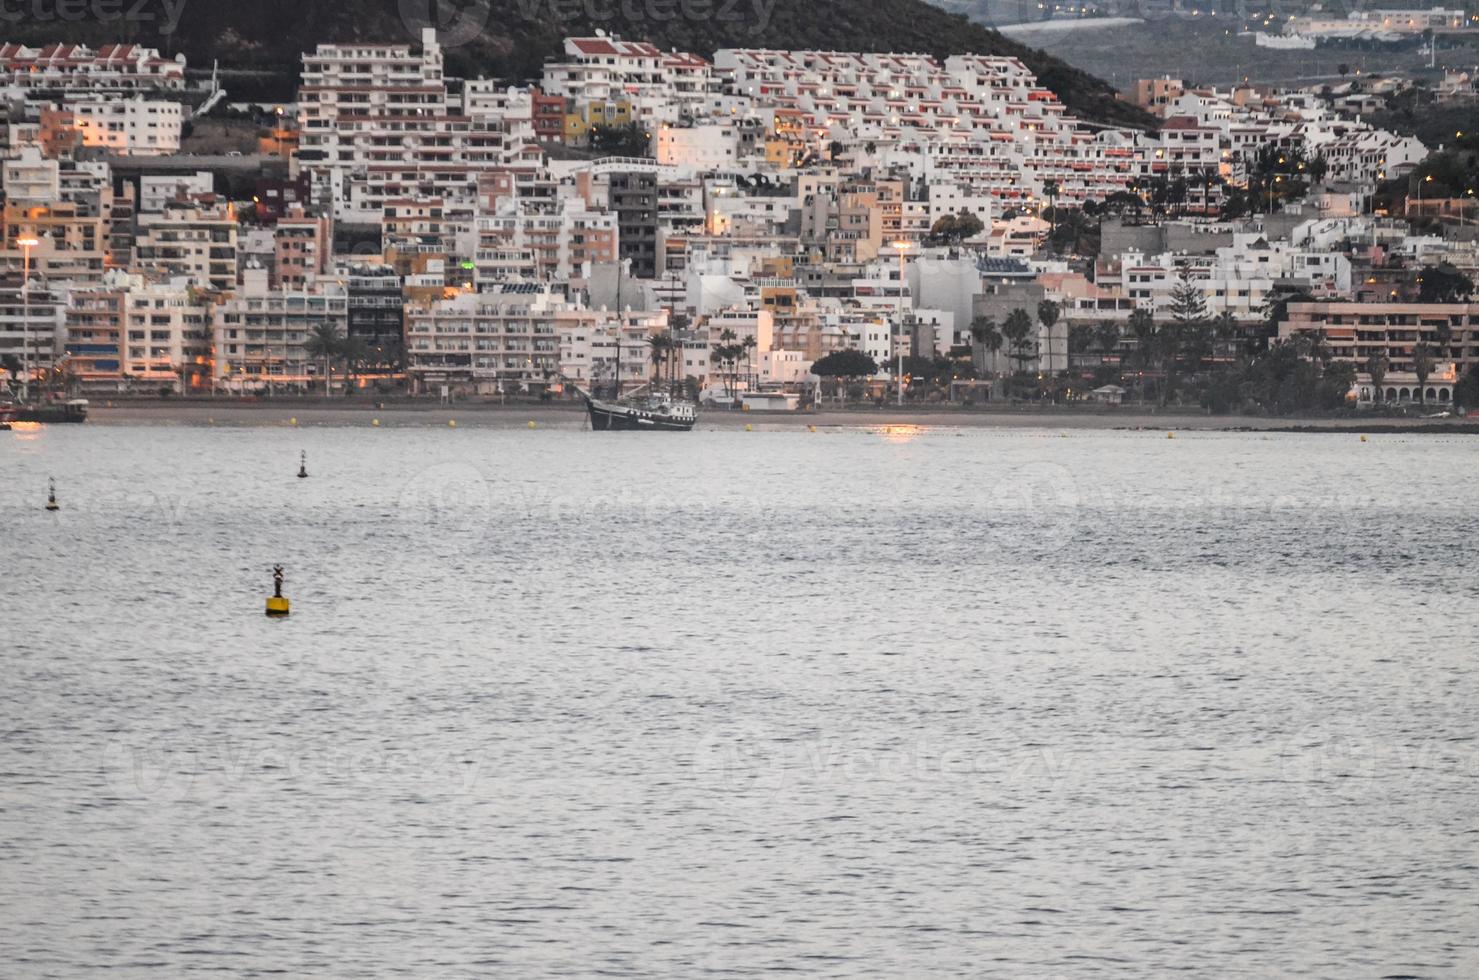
<point x="73" y="410"/>
<point x="657" y="413"/>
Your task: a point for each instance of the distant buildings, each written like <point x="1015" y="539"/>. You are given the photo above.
<point x="461" y="233"/>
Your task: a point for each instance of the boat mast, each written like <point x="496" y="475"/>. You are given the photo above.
<point x="617" y="374"/>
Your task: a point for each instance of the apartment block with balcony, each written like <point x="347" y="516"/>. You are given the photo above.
<point x="505" y="340"/>
<point x="193" y="241"/>
<point x="260" y="333"/>
<point x="1355" y="332"/>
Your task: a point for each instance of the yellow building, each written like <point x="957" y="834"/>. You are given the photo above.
<point x="578" y="124"/>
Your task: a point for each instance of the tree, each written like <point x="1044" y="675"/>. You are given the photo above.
<point x="1047" y="315"/>
<point x="987" y="337"/>
<point x="1147" y="340"/>
<point x="1107" y="337"/>
<point x="1050" y="191"/>
<point x="747" y="346"/>
<point x="725" y="355"/>
<point x="1017" y="329"/>
<point x="356" y="354"/>
<point x="659" y="343"/>
<point x="1422" y="366"/>
<point x="629" y="140"/>
<point x="1443" y="284"/>
<point x="845" y="365"/>
<point x="1376" y="367"/>
<point x="1466" y="392"/>
<point x="324" y="342"/>
<point x="952" y="229"/>
<point x="12" y="365"/>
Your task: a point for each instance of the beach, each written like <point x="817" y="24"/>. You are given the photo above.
<point x="568" y="415"/>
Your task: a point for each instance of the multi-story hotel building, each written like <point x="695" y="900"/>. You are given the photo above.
<point x="192" y="240"/>
<point x="1355" y="331"/>
<point x="260" y="332"/>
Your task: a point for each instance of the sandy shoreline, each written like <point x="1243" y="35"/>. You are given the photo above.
<point x="570" y="416"/>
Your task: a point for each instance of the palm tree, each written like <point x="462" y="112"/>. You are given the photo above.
<point x="725" y="354"/>
<point x="1142" y="326"/>
<point x="1225" y="329"/>
<point x="748" y="346"/>
<point x="1422" y="366"/>
<point x="355" y="352"/>
<point x="1107" y="337"/>
<point x="987" y="337"/>
<point x="1376" y="367"/>
<point x="12" y="365"/>
<point x="324" y="341"/>
<point x="660" y="344"/>
<point x="1047" y="315"/>
<point x="1445" y="337"/>
<point x="1016" y="330"/>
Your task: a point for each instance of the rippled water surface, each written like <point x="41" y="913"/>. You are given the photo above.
<point x="844" y="703"/>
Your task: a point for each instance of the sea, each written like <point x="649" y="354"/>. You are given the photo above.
<point x="897" y="700"/>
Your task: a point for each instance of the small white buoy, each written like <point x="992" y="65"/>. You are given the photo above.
<point x="51" y="503"/>
<point x="302" y="465"/>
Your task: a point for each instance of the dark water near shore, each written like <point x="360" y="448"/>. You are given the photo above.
<point x="846" y="703"/>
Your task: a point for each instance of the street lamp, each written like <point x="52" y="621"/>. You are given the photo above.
<point x="26" y="244"/>
<point x="903" y="248"/>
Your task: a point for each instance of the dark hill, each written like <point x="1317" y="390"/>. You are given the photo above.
<point x="517" y="36"/>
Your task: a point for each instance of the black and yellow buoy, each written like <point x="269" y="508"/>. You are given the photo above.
<point x="302" y="464"/>
<point x="51" y="503"/>
<point x="277" y="603"/>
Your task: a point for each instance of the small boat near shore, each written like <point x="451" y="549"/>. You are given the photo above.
<point x="72" y="410"/>
<point x="657" y="413"/>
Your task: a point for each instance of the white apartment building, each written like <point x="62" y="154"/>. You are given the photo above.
<point x="522" y="242"/>
<point x="589" y="349"/>
<point x="31" y="324"/>
<point x="196" y="242"/>
<point x="129" y="127"/>
<point x="166" y="335"/>
<point x="31" y="178"/>
<point x="112" y="68"/>
<point x="260" y="333"/>
<point x="155" y="191"/>
<point x="377" y="124"/>
<point x="503" y="341"/>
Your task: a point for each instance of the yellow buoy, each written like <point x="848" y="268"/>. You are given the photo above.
<point x="749" y="428"/>
<point x="277" y="603"/>
<point x="531" y="424"/>
<point x="1363" y="438"/>
<point x="375" y="423"/>
<point x="811" y="428"/>
<point x="451" y="423"/>
<point x="293" y="420"/>
<point x="1170" y="435"/>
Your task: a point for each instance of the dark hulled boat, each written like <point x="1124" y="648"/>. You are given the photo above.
<point x="656" y="413"/>
<point x="74" y="410"/>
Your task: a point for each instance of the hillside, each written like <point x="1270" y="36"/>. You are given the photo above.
<point x="517" y="36"/>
